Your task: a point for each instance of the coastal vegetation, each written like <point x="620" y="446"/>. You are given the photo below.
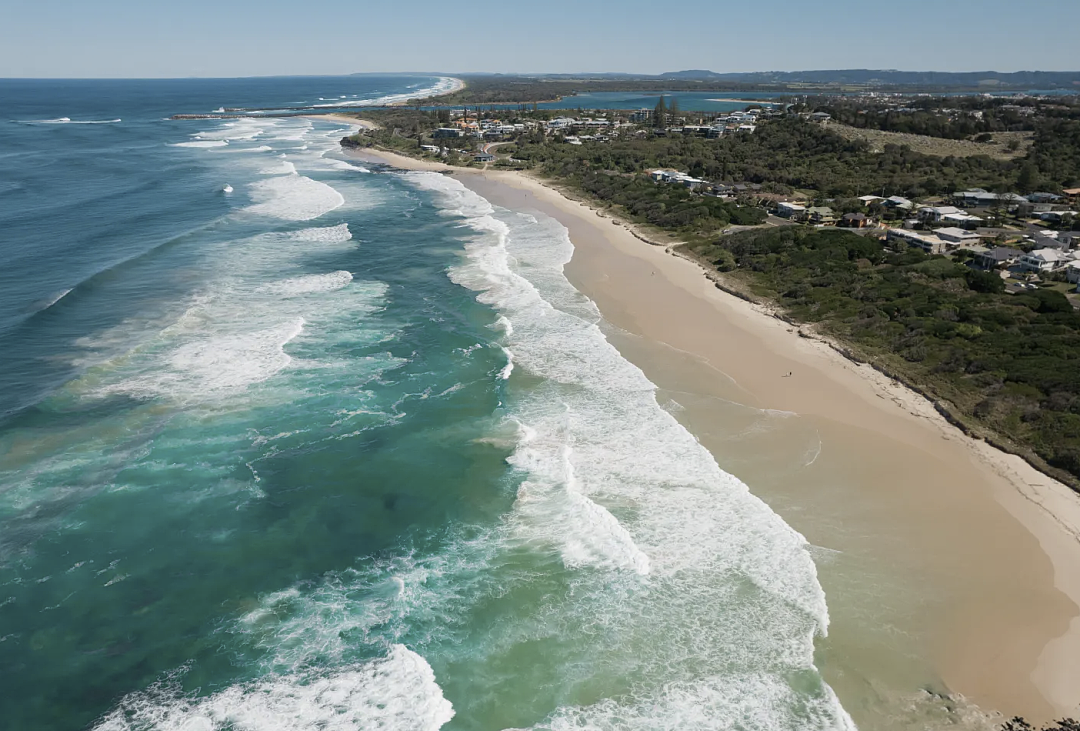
<point x="1001" y="364"/>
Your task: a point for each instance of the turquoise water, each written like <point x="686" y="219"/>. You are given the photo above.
<point x="292" y="443"/>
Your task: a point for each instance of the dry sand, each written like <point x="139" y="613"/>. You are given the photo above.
<point x="948" y="564"/>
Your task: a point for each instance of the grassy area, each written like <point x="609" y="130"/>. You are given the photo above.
<point x="998" y="149"/>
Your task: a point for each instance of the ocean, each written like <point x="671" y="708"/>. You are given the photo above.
<point x="288" y="441"/>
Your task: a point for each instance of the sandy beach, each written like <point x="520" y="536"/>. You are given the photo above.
<point x="952" y="569"/>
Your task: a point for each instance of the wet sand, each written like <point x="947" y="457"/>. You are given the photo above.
<point x="951" y="568"/>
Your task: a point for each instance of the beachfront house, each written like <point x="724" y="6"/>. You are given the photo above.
<point x="1043" y="260"/>
<point x="855" y="220"/>
<point x="794" y="211"/>
<point x="930" y="244"/>
<point x="937" y="213"/>
<point x="821" y="216"/>
<point x="898" y="202"/>
<point x="962" y="220"/>
<point x="1072" y="272"/>
<point x="957" y="236"/>
<point x="996" y="258"/>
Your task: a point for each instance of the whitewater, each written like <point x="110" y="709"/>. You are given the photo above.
<point x="344" y="449"/>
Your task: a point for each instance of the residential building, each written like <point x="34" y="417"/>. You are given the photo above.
<point x="483" y="157"/>
<point x="898" y="202"/>
<point x="1072" y="272"/>
<point x="821" y="215"/>
<point x="446" y="132"/>
<point x="1072" y="194"/>
<point x="868" y="200"/>
<point x="962" y="220"/>
<point x="855" y="220"/>
<point x="938" y="213"/>
<point x="929" y="244"/>
<point x="1043" y="260"/>
<point x="998" y="257"/>
<point x="791" y="210"/>
<point x="957" y="235"/>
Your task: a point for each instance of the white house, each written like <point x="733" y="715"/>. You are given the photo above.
<point x="937" y="213"/>
<point x="929" y="244"/>
<point x="896" y="201"/>
<point x="1043" y="260"/>
<point x="1072" y="272"/>
<point x="870" y="199"/>
<point x="962" y="220"/>
<point x="790" y="210"/>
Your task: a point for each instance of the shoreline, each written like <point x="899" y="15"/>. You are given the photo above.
<point x="992" y="642"/>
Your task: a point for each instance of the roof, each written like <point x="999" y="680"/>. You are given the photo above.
<point x="870" y="198"/>
<point x="1048" y="255"/>
<point x="956" y="232"/>
<point x="1002" y="253"/>
<point x="942" y="210"/>
<point x="854" y="216"/>
<point x="1071" y="191"/>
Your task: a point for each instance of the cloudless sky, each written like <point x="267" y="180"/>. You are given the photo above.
<point x="225" y="38"/>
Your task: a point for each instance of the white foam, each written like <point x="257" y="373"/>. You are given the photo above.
<point x="328" y="234"/>
<point x="443" y="85"/>
<point x="282" y="168"/>
<point x="612" y="483"/>
<point x="225" y="362"/>
<point x="310" y="284"/>
<point x="742" y="702"/>
<point x="293" y="197"/>
<point x="68" y="120"/>
<point x="395" y="693"/>
<point x="201" y="143"/>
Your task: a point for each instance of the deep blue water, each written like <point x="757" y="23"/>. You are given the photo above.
<point x="288" y="442"/>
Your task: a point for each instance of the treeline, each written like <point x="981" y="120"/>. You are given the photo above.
<point x="793" y="153"/>
<point x="1006" y="362"/>
<point x="926" y="116"/>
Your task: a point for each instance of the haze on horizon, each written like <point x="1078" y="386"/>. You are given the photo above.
<point x="129" y="38"/>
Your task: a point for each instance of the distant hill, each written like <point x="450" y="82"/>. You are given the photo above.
<point x="1017" y="80"/>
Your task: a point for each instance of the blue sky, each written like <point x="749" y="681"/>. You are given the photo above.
<point x="141" y="38"/>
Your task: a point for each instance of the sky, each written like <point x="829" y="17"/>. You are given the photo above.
<point x="231" y="38"/>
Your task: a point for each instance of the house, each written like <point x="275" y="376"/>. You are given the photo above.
<point x="868" y="200"/>
<point x="1072" y="194"/>
<point x="983" y="199"/>
<point x="938" y="213"/>
<point x="957" y="235"/>
<point x="821" y="215"/>
<point x="962" y="220"/>
<point x="1044" y="198"/>
<point x="898" y="202"/>
<point x="855" y="220"/>
<point x="998" y="257"/>
<point x="820" y="117"/>
<point x="446" y="132"/>
<point x="429" y="148"/>
<point x="1072" y="272"/>
<point x="791" y="210"/>
<point x="483" y="157"/>
<point x="1043" y="260"/>
<point x="929" y="244"/>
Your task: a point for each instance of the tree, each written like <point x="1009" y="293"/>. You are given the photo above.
<point x="1028" y="179"/>
<point x="673" y="110"/>
<point x="660" y="114"/>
